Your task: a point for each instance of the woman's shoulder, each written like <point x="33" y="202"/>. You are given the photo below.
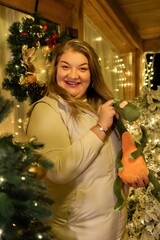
<point x="46" y="100"/>
<point x="43" y="102"/>
<point x="48" y="103"/>
<point x="41" y="108"/>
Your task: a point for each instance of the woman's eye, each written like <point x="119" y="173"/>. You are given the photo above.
<point x="65" y="67"/>
<point x="83" y="69"/>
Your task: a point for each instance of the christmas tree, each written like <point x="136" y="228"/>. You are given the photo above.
<point x="143" y="208"/>
<point x="24" y="203"/>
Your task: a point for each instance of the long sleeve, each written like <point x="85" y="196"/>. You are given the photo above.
<point x="70" y="160"/>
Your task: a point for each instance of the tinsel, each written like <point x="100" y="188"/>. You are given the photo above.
<point x="143" y="208"/>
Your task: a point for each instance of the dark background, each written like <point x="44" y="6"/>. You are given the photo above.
<point x="156" y="66"/>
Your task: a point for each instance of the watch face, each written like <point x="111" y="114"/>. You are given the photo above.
<point x="101" y="128"/>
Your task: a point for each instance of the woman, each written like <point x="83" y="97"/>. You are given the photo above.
<point x="75" y="122"/>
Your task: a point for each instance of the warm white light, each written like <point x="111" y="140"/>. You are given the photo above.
<point x="115" y="70"/>
<point x="20" y="120"/>
<point x="156" y="140"/>
<point x="2" y="179"/>
<point x="116" y="90"/>
<point x="128" y="73"/>
<point x="152" y="120"/>
<point x="98" y="39"/>
<point x="40" y="236"/>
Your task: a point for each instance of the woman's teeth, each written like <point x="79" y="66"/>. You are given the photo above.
<point x="72" y="83"/>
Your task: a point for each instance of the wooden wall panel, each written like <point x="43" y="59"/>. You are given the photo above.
<point x="55" y="11"/>
<point x="21" y="5"/>
<point x="66" y="13"/>
<point x="77" y="17"/>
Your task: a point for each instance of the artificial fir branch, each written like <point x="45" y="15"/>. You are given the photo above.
<point x="24" y="203"/>
<point x="143" y="208"/>
<point x="23" y="197"/>
<point x="5" y="108"/>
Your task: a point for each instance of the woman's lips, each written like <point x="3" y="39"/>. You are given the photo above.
<point x="72" y="83"/>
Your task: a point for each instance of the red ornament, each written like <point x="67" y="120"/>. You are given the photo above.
<point x="44" y="27"/>
<point x="23" y="34"/>
<point x="52" y="40"/>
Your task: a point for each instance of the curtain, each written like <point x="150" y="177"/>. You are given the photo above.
<point x="117" y="70"/>
<point x="13" y="123"/>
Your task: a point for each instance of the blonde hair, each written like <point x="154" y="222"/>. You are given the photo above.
<point x="97" y="92"/>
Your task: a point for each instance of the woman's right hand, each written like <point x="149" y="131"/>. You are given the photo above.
<point x="106" y="114"/>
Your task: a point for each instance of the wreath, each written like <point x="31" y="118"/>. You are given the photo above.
<point x="31" y="42"/>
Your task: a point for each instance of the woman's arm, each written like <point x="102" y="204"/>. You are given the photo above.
<point x="70" y="160"/>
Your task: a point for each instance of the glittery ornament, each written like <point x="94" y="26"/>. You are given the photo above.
<point x="30" y="79"/>
<point x="38" y="171"/>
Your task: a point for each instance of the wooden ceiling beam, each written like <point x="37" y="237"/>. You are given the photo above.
<point x="108" y="31"/>
<point x="121" y="21"/>
<point x="116" y="22"/>
<point x="151" y="45"/>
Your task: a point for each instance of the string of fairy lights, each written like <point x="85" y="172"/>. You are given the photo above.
<point x="120" y="69"/>
<point x="149" y="70"/>
<point x="122" y="74"/>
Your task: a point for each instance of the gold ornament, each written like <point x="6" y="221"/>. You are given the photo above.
<point x="35" y="60"/>
<point x="46" y="50"/>
<point x="38" y="171"/>
<point x="30" y="78"/>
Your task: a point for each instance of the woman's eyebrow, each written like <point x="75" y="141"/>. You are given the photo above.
<point x="62" y="61"/>
<point x="83" y="64"/>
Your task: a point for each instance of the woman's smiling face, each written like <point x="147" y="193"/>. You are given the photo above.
<point x="73" y="73"/>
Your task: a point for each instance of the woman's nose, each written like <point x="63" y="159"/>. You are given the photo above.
<point x="73" y="73"/>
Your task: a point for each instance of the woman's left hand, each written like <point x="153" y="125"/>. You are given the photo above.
<point x="140" y="182"/>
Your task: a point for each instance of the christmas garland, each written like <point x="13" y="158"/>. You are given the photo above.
<point x="31" y="41"/>
<point x="143" y="208"/>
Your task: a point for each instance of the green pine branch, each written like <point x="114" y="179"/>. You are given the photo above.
<point x="5" y="108"/>
<point x="23" y="198"/>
